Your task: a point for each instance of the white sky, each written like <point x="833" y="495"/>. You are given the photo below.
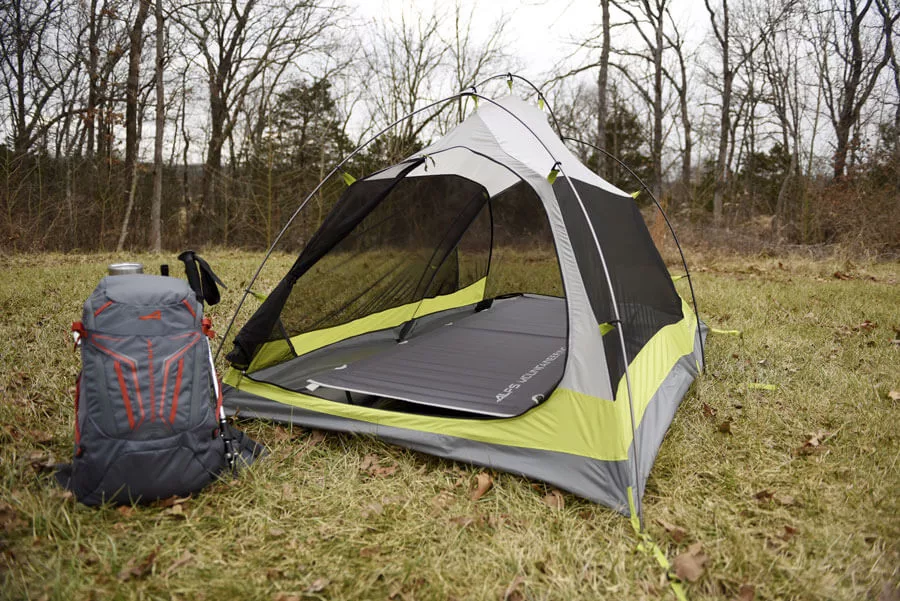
<point x="540" y="33"/>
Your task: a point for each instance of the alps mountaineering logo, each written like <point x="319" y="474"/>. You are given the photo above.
<point x="531" y="373"/>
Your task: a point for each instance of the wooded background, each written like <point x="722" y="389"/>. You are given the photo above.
<point x="151" y="124"/>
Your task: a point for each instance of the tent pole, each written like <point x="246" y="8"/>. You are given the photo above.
<point x="612" y="295"/>
<point x="303" y="204"/>
<point x="668" y="223"/>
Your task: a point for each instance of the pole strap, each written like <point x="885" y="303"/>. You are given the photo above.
<point x="648" y="547"/>
<point x="737" y="333"/>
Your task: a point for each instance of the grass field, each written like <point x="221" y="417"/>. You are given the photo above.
<point x="792" y="493"/>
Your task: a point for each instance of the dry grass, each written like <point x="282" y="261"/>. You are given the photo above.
<point x="311" y="522"/>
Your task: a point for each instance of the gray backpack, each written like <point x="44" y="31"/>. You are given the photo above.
<point x="145" y="425"/>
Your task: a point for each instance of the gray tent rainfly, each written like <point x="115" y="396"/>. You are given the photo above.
<point x="404" y="317"/>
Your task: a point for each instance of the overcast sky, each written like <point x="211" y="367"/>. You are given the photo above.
<point x="540" y="33"/>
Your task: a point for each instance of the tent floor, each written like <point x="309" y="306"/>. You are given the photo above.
<point x="498" y="362"/>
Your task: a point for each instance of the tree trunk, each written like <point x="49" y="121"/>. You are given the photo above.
<point x="602" y="83"/>
<point x="156" y="203"/>
<point x="658" y="104"/>
<point x="136" y="44"/>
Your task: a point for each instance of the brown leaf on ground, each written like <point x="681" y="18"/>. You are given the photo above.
<point x="689" y="565"/>
<point x="172" y="501"/>
<point x="813" y="443"/>
<point x="840" y="275"/>
<point x="10" y="519"/>
<point x="513" y="591"/>
<point x="725" y="427"/>
<point x="483" y="483"/>
<point x="866" y="326"/>
<point x="370" y="551"/>
<point x="889" y="592"/>
<point x="462" y="520"/>
<point x="40" y="437"/>
<point x="372" y="509"/>
<point x="138" y="569"/>
<point x="381" y="472"/>
<point x="789" y="532"/>
<point x="747" y="592"/>
<point x="317" y="586"/>
<point x="125" y="510"/>
<point x="677" y="533"/>
<point x="315" y="437"/>
<point x="764" y="495"/>
<point x="41" y="462"/>
<point x="709" y="411"/>
<point x="371" y="465"/>
<point x="176" y="511"/>
<point x="554" y="499"/>
<point x="182" y="561"/>
<point x="784" y="500"/>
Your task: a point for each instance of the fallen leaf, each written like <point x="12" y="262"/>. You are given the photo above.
<point x="370" y="551"/>
<point x="709" y="411"/>
<point x="368" y="462"/>
<point x="276" y="532"/>
<point x="784" y="500"/>
<point x="40" y="437"/>
<point x="554" y="499"/>
<point x="894" y="395"/>
<point x="380" y="472"/>
<point x="483" y="483"/>
<point x="725" y="427"/>
<point x="889" y="592"/>
<point x="747" y="592"/>
<point x="125" y="510"/>
<point x="138" y="569"/>
<point x="9" y="518"/>
<point x="866" y="326"/>
<point x="513" y="592"/>
<point x="176" y="511"/>
<point x="317" y="586"/>
<point x="462" y="521"/>
<point x="839" y="275"/>
<point x="442" y="500"/>
<point x="689" y="564"/>
<point x="372" y="509"/>
<point x="182" y="561"/>
<point x="41" y="462"/>
<point x="315" y="437"/>
<point x="282" y="596"/>
<point x="172" y="501"/>
<point x="677" y="533"/>
<point x="764" y="495"/>
<point x="789" y="532"/>
<point x="813" y="443"/>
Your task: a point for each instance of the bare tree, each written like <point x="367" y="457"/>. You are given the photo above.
<point x="400" y="64"/>
<point x="235" y="45"/>
<point x="156" y="201"/>
<point x="135" y="49"/>
<point x="34" y="66"/>
<point x="472" y="58"/>
<point x="679" y="80"/>
<point x="648" y="20"/>
<point x="861" y="46"/>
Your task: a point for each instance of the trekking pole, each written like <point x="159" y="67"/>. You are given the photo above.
<point x="223" y="423"/>
<point x="204" y="283"/>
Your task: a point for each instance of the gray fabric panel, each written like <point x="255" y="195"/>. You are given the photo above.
<point x="602" y="482"/>
<point x="500" y="362"/>
<point x="661" y="411"/>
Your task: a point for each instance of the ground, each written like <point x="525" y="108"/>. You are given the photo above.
<point x="780" y="470"/>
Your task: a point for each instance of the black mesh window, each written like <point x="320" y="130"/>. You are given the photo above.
<point x="404" y="250"/>
<point x="644" y="292"/>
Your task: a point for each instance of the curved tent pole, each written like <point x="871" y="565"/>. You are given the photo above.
<point x="668" y="223"/>
<point x="284" y="229"/>
<point x="612" y="295"/>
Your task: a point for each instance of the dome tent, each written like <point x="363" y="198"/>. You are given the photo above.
<point x="400" y="317"/>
